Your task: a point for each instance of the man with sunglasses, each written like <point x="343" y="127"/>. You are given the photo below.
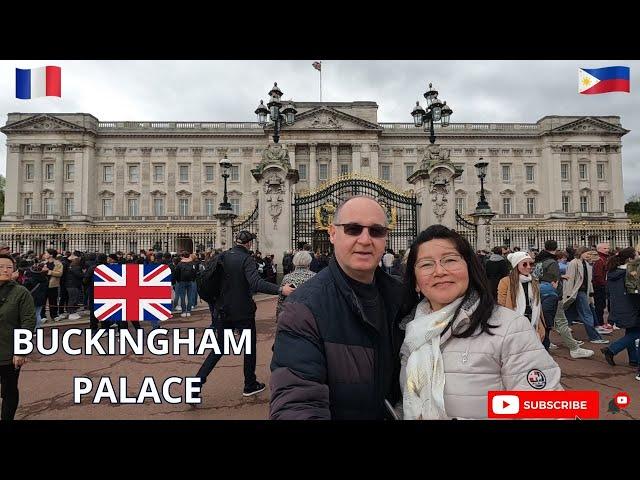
<point x="336" y="353"/>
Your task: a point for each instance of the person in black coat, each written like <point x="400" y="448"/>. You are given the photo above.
<point x="37" y="282"/>
<point x="496" y="267"/>
<point x="624" y="307"/>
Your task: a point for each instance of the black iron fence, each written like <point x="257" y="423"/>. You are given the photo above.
<point x="535" y="237"/>
<point x="467" y="229"/>
<point x="249" y="223"/>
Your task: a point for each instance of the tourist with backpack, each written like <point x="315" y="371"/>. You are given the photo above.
<point x="233" y="280"/>
<point x="185" y="277"/>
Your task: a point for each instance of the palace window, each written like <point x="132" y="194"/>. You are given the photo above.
<point x="460" y="205"/>
<point x="158" y="173"/>
<point x="584" y="204"/>
<point x="68" y="205"/>
<point x="235" y="173"/>
<point x="184" y="173"/>
<point x="565" y="172"/>
<point x="158" y="206"/>
<point x="209" y="206"/>
<point x="323" y="171"/>
<point x="209" y="173"/>
<point x="107" y="173"/>
<point x="583" y="171"/>
<point x="385" y="172"/>
<point x="408" y="170"/>
<point x="134" y="173"/>
<point x="107" y="207"/>
<point x="48" y="206"/>
<point x="69" y="171"/>
<point x="28" y="202"/>
<point x="132" y="207"/>
<point x="302" y="172"/>
<point x="235" y="205"/>
<point x="28" y="171"/>
<point x="506" y="173"/>
<point x="345" y="169"/>
<point x="48" y="172"/>
<point x="603" y="204"/>
<point x="531" y="205"/>
<point x="184" y="207"/>
<point x="506" y="205"/>
<point x="601" y="171"/>
<point x="530" y="173"/>
<point x="565" y="204"/>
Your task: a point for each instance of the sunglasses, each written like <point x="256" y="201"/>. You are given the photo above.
<point x="527" y="264"/>
<point x="355" y="229"/>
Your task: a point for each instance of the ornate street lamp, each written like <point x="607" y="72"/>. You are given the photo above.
<point x="277" y="114"/>
<point x="437" y="112"/>
<point x="482" y="172"/>
<point x="225" y="166"/>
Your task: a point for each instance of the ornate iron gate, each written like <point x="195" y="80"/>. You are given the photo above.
<point x="249" y="223"/>
<point x="312" y="213"/>
<point x="467" y="229"/>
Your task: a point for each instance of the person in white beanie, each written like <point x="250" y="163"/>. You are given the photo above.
<point x="520" y="291"/>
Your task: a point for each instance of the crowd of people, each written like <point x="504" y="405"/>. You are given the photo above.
<point x="365" y="332"/>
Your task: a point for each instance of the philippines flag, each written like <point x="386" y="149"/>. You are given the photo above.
<point x="132" y="292"/>
<point x="38" y="82"/>
<point x="603" y="80"/>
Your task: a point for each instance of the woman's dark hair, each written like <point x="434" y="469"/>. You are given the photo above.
<point x="477" y="279"/>
<point x="621" y="258"/>
<point x="13" y="260"/>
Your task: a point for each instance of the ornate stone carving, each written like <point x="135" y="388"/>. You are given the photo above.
<point x="439" y="190"/>
<point x="120" y="151"/>
<point x="172" y="151"/>
<point x="146" y="151"/>
<point x="274" y="184"/>
<point x="274" y="154"/>
<point x="325" y="120"/>
<point x="15" y="148"/>
<point x="274" y="193"/>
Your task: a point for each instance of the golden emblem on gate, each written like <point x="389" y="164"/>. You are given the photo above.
<point x="324" y="215"/>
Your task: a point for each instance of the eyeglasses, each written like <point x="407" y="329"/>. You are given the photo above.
<point x="355" y="229"/>
<point x="451" y="263"/>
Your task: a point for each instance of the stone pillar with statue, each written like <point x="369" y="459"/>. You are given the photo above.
<point x="434" y="181"/>
<point x="276" y="179"/>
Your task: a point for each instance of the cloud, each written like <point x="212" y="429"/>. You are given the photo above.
<point x="477" y="91"/>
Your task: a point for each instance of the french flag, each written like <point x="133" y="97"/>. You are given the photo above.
<point x="38" y="82"/>
<point x="603" y="80"/>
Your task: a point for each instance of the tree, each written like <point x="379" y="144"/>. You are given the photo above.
<point x="632" y="208"/>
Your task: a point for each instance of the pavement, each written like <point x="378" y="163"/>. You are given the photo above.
<point x="46" y="382"/>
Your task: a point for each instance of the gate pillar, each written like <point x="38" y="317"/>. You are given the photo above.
<point x="276" y="179"/>
<point x="435" y="189"/>
<point x="224" y="229"/>
<point x="482" y="219"/>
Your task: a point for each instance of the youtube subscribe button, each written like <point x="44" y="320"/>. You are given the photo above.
<point x="546" y="404"/>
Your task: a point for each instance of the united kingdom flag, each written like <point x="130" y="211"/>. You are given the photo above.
<point x="132" y="292"/>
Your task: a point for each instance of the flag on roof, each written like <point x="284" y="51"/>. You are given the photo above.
<point x="38" y="82"/>
<point x="603" y="80"/>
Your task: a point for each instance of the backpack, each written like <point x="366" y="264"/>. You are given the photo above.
<point x="539" y="269"/>
<point x="209" y="280"/>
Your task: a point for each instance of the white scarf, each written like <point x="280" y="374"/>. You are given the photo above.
<point x="423" y="393"/>
<point x="521" y="302"/>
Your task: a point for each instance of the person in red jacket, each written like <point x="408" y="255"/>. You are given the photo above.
<point x="600" y="287"/>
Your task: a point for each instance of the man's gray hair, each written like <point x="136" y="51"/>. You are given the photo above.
<point x="302" y="259"/>
<point x="336" y="215"/>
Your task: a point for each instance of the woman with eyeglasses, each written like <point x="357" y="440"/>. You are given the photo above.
<point x="519" y="291"/>
<point x="458" y="343"/>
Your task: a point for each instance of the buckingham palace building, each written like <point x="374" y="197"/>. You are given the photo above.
<point x="76" y="182"/>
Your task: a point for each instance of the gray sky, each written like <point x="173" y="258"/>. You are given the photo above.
<point x="476" y="90"/>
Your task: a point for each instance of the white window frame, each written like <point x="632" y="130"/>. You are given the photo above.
<point x="28" y="169"/>
<point x="234" y="173"/>
<point x="49" y="168"/>
<point x="565" y="167"/>
<point x="133" y="178"/>
<point x="180" y="169"/>
<point x="207" y="202"/>
<point x="235" y="205"/>
<point x="27" y="202"/>
<point x="586" y="172"/>
<point x="105" y="169"/>
<point x="323" y="167"/>
<point x="69" y="171"/>
<point x="506" y="202"/>
<point x="155" y="173"/>
<point x="183" y="202"/>
<point x="532" y="169"/>
<point x="507" y="178"/>
<point x="410" y="166"/>
<point x="158" y="212"/>
<point x="568" y="203"/>
<point x="48" y="201"/>
<point x="303" y="172"/>
<point x="342" y="169"/>
<point x="461" y="205"/>
<point x="107" y="212"/>
<point x="585" y="203"/>
<point x="68" y="205"/>
<point x="531" y="205"/>
<point x="209" y="169"/>
<point x="133" y="212"/>
<point x="601" y="171"/>
<point x="603" y="203"/>
<point x="385" y="167"/>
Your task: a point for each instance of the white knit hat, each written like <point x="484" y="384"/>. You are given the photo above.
<point x="516" y="257"/>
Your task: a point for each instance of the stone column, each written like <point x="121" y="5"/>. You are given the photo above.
<point x="334" y="161"/>
<point x="36" y="203"/>
<point x="276" y="180"/>
<point x="313" y="167"/>
<point x="482" y="219"/>
<point x="59" y="178"/>
<point x="575" y="179"/>
<point x="196" y="179"/>
<point x="614" y="158"/>
<point x="12" y="186"/>
<point x="593" y="179"/>
<point x="121" y="172"/>
<point x="434" y="181"/>
<point x="172" y="173"/>
<point x="355" y="158"/>
<point x="91" y="174"/>
<point x="373" y="160"/>
<point x="291" y="148"/>
<point x="144" y="207"/>
<point x="224" y="230"/>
